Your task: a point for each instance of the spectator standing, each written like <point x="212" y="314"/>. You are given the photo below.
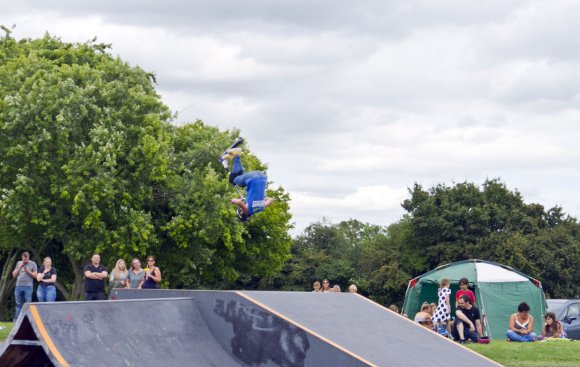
<point x="46" y="291"/>
<point x="136" y="275"/>
<point x="443" y="311"/>
<point x="521" y="325"/>
<point x="316" y="286"/>
<point x="468" y="321"/>
<point x="152" y="276"/>
<point x="336" y="288"/>
<point x="353" y="289"/>
<point x="464" y="289"/>
<point x="118" y="277"/>
<point x="95" y="275"/>
<point x="25" y="272"/>
<point x="326" y="286"/>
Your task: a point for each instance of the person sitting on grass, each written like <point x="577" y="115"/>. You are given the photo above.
<point x="467" y="324"/>
<point x="521" y="325"/>
<point x="423" y="317"/>
<point x="552" y="328"/>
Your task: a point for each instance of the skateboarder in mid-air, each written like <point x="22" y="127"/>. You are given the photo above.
<point x="254" y="182"/>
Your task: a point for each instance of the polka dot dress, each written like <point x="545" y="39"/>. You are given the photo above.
<point x="442" y="313"/>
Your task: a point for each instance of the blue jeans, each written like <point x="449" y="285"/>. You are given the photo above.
<point x="515" y="337"/>
<point x="238" y="177"/>
<point x="22" y="294"/>
<point x="46" y="294"/>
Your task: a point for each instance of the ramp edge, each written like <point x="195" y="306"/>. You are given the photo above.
<point x="45" y="337"/>
<point x="447" y="339"/>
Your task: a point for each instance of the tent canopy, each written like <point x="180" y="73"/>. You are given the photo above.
<point x="498" y="289"/>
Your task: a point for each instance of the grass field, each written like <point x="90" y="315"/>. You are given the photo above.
<point x="5" y="331"/>
<point x="541" y="354"/>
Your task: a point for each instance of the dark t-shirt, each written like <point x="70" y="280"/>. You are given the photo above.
<point x="94" y="285"/>
<point x="472" y="314"/>
<point x="48" y="275"/>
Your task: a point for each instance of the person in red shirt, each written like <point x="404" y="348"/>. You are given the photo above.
<point x="463" y="284"/>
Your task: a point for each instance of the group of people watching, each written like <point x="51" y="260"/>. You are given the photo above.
<point x="120" y="277"/>
<point x="467" y="325"/>
<point x="325" y="287"/>
<point x="521" y="326"/>
<point x="438" y="317"/>
<point x="96" y="275"/>
<point x="26" y="272"/>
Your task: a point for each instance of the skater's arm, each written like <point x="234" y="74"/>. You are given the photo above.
<point x="268" y="202"/>
<point x="240" y="203"/>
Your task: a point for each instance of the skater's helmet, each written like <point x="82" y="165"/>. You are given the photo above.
<point x="243" y="217"/>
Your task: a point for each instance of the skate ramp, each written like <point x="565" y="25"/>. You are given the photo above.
<point x="165" y="332"/>
<point x="224" y="328"/>
<point x="353" y="324"/>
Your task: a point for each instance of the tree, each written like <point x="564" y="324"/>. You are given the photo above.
<point x="83" y="139"/>
<point x="493" y="223"/>
<point x="209" y="245"/>
<point x="325" y="250"/>
<point x="89" y="162"/>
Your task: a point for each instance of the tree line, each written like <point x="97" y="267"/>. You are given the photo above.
<point x="442" y="224"/>
<point x="90" y="161"/>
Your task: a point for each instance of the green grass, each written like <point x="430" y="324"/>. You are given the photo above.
<point x="4" y="332"/>
<point x="550" y="353"/>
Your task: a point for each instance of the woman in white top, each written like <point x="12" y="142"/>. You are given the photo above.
<point x="521" y="326"/>
<point x="118" y="277"/>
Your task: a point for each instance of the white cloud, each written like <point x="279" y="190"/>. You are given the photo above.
<point x="347" y="101"/>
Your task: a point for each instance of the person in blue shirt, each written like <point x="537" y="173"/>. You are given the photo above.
<point x="255" y="184"/>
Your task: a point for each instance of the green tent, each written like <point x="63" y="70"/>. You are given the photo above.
<point x="499" y="289"/>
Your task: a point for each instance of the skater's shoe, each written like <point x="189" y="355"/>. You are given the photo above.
<point x="231" y="153"/>
<point x="234" y="151"/>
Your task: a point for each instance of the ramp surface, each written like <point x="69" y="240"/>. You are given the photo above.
<point x="165" y="332"/>
<point x="224" y="328"/>
<point x="352" y="324"/>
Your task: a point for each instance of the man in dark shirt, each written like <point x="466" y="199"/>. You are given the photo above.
<point x="468" y="321"/>
<point x="95" y="275"/>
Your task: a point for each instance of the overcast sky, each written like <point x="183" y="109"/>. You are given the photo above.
<point x="351" y="103"/>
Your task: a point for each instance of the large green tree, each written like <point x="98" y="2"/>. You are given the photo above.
<point x="205" y="245"/>
<point x="494" y="223"/>
<point x="89" y="161"/>
<point x="83" y="139"/>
